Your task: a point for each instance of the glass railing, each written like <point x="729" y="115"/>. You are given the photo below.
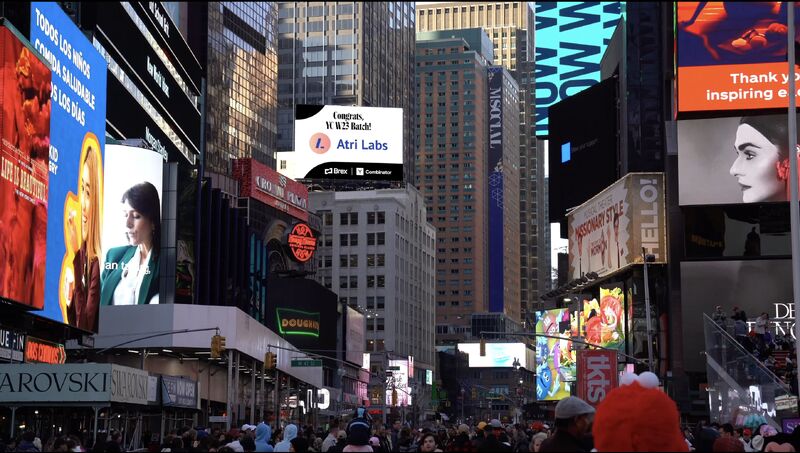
<point x="739" y="384"/>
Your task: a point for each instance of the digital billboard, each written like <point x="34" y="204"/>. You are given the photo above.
<point x="741" y="159"/>
<point x="603" y="323"/>
<point x="732" y="55"/>
<point x="582" y="161"/>
<point x="555" y="358"/>
<point x="25" y="107"/>
<point x="131" y="226"/>
<point x="571" y="38"/>
<point x="608" y="232"/>
<point x="356" y="337"/>
<point x="498" y="355"/>
<point x="495" y="190"/>
<point x="76" y="166"/>
<point x="400" y="383"/>
<point x="340" y="142"/>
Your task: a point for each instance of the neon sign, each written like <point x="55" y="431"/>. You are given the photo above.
<point x="302" y="242"/>
<point x="297" y="322"/>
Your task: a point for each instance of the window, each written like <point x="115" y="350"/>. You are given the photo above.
<point x="381" y="302"/>
<point x="370" y="300"/>
<point x="381" y="281"/>
<point x="370" y="281"/>
<point x="370" y="218"/>
<point x="381" y="217"/>
<point x="344" y="218"/>
<point x="343" y="262"/>
<point x="354" y="281"/>
<point x="370" y="263"/>
<point x="343" y="240"/>
<point x="327" y="218"/>
<point x="370" y="238"/>
<point x="342" y="282"/>
<point x="353" y="239"/>
<point x="381" y="260"/>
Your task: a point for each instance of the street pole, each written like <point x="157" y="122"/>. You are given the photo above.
<point x="647" y="314"/>
<point x="793" y="200"/>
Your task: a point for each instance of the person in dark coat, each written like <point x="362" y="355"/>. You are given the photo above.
<point x="574" y="419"/>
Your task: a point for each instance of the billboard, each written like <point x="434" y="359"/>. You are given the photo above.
<point x="25" y="118"/>
<point x="571" y="38"/>
<point x="131" y="226"/>
<point x="76" y="166"/>
<point x="356" y="337"/>
<point x="400" y="378"/>
<point x="603" y="323"/>
<point x="582" y="161"/>
<point x="495" y="188"/>
<point x="498" y="355"/>
<point x="755" y="286"/>
<point x="338" y="142"/>
<point x="732" y="55"/>
<point x="304" y="313"/>
<point x="607" y="233"/>
<point x="741" y="159"/>
<point x="266" y="185"/>
<point x="555" y="359"/>
<point x="597" y="374"/>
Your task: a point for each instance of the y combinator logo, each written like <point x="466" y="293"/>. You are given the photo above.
<point x="320" y="143"/>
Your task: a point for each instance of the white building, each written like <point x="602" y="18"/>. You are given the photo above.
<point x="377" y="252"/>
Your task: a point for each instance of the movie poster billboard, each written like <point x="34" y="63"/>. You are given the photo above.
<point x="75" y="165"/>
<point x="131" y="226"/>
<point x="603" y="323"/>
<point x="25" y="117"/>
<point x="555" y="359"/>
<point x="607" y="233"/>
<point x="732" y="55"/>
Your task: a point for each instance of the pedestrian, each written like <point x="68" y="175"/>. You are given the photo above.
<point x="727" y="444"/>
<point x="747" y="439"/>
<point x="461" y="442"/>
<point x="396" y="427"/>
<point x="480" y="435"/>
<point x="574" y="419"/>
<point x="719" y="317"/>
<point x="289" y="433"/>
<point x="341" y="442"/>
<point x="761" y="330"/>
<point x="299" y="444"/>
<point x="27" y="442"/>
<point x="248" y="443"/>
<point x="429" y="443"/>
<point x="494" y="440"/>
<point x="405" y="442"/>
<point x="536" y="442"/>
<point x="330" y="441"/>
<point x="739" y="314"/>
<point x="375" y="443"/>
<point x="263" y="434"/>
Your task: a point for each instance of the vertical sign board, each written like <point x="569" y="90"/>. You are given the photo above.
<point x="25" y="119"/>
<point x="76" y="155"/>
<point x="495" y="186"/>
<point x="597" y="374"/>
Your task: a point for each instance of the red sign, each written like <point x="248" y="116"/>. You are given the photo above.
<point x="597" y="374"/>
<point x="40" y="351"/>
<point x="266" y="185"/>
<point x="302" y="242"/>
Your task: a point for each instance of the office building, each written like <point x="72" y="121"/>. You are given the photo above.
<point x="510" y="25"/>
<point x="347" y="53"/>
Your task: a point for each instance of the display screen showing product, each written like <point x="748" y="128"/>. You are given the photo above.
<point x="555" y="358"/>
<point x="603" y="323"/>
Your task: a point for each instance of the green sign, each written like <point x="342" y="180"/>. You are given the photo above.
<point x="394" y="368"/>
<point x="306" y="362"/>
<point x="297" y="322"/>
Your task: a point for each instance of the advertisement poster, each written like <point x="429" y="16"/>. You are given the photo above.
<point x="339" y="142"/>
<point x="608" y="232"/>
<point x="400" y="379"/>
<point x="76" y="167"/>
<point x="498" y="355"/>
<point x="603" y="323"/>
<point x="732" y="55"/>
<point x="266" y="185"/>
<point x="555" y="359"/>
<point x="495" y="191"/>
<point x="597" y="374"/>
<point x="571" y="38"/>
<point x="131" y="226"/>
<point x="741" y="159"/>
<point x="356" y="336"/>
<point x="25" y="118"/>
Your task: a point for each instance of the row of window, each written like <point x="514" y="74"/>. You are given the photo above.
<point x="351" y="239"/>
<point x="373" y="260"/>
<point x="351" y="282"/>
<point x="351" y="218"/>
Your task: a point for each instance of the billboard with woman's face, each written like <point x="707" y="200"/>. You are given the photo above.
<point x="742" y="159"/>
<point x="131" y="226"/>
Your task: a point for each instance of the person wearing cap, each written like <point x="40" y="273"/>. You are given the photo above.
<point x="574" y="419"/>
<point x="747" y="439"/>
<point x="480" y="435"/>
<point x="375" y="443"/>
<point x="495" y="440"/>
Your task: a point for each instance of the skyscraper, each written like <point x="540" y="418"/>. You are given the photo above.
<point x="347" y="53"/>
<point x="510" y="25"/>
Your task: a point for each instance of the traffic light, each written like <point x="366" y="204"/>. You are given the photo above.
<point x="217" y="346"/>
<point x="483" y="347"/>
<point x="394" y="397"/>
<point x="270" y="360"/>
<point x="474" y="394"/>
<point x="221" y="345"/>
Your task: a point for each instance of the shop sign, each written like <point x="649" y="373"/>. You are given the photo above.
<point x="40" y="351"/>
<point x="786" y="403"/>
<point x="302" y="242"/>
<point x="178" y="391"/>
<point x="597" y="374"/>
<point x="129" y="385"/>
<point x="297" y="322"/>
<point x="12" y="345"/>
<point x="67" y="383"/>
<point x="266" y="185"/>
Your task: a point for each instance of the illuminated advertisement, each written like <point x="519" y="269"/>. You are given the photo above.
<point x="266" y="185"/>
<point x="76" y="158"/>
<point x="356" y="338"/>
<point x="41" y="351"/>
<point x="741" y="159"/>
<point x="571" y="38"/>
<point x="297" y="322"/>
<point x="555" y="359"/>
<point x="400" y="382"/>
<point x="131" y="227"/>
<point x="339" y="142"/>
<point x="495" y="190"/>
<point x="603" y="323"/>
<point x="428" y="377"/>
<point x="12" y="346"/>
<point x="598" y="374"/>
<point x="498" y="355"/>
<point x="608" y="232"/>
<point x="25" y="119"/>
<point x="302" y="242"/>
<point x="732" y="55"/>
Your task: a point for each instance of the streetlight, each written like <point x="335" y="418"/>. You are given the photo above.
<point x="648" y="259"/>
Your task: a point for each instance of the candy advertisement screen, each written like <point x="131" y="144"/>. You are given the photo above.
<point x="603" y="323"/>
<point x="732" y="55"/>
<point x="555" y="359"/>
<point x="25" y="118"/>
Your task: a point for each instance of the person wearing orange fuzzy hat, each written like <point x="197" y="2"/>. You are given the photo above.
<point x="638" y="416"/>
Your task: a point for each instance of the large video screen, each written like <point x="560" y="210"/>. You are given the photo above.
<point x="603" y="323"/>
<point x="732" y="55"/>
<point x="498" y="355"/>
<point x="571" y="38"/>
<point x="341" y="142"/>
<point x="399" y="370"/>
<point x="555" y="358"/>
<point x="131" y="226"/>
<point x="76" y="159"/>
<point x="25" y="119"/>
<point x="741" y="159"/>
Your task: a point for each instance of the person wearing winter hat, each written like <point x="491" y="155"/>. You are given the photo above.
<point x="574" y="419"/>
<point x="637" y="416"/>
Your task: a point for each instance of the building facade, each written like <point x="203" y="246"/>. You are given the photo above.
<point x="510" y="25"/>
<point x="377" y="252"/>
<point x="346" y="53"/>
